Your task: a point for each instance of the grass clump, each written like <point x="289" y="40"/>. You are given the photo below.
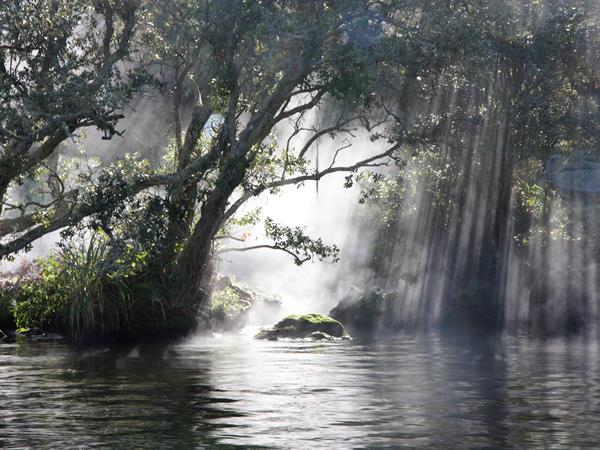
<point x="98" y="296"/>
<point x="81" y="290"/>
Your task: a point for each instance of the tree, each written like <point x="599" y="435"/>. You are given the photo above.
<point x="484" y="184"/>
<point x="63" y="67"/>
<point x="254" y="87"/>
<point x="253" y="66"/>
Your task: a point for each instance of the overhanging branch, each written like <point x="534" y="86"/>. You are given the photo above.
<point x="297" y="259"/>
<point x="373" y="161"/>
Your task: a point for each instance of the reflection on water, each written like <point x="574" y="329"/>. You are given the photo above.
<point x="230" y="392"/>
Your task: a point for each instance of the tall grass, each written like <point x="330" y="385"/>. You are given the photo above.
<point x="99" y="298"/>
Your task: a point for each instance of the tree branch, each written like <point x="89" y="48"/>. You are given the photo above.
<point x="367" y="162"/>
<point x="299" y="261"/>
<point x="314" y="101"/>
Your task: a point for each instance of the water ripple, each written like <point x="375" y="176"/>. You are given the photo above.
<point x="234" y="392"/>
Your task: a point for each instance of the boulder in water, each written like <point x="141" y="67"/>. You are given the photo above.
<point x="300" y="326"/>
<point x="365" y="313"/>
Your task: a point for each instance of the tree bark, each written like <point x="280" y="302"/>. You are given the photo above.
<point x="183" y="198"/>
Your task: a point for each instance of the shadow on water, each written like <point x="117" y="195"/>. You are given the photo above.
<point x="428" y="392"/>
<point x="150" y="395"/>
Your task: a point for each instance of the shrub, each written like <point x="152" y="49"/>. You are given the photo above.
<point x="97" y="293"/>
<point x="40" y="297"/>
<point x="82" y="289"/>
<point x="227" y="302"/>
<point x="6" y="312"/>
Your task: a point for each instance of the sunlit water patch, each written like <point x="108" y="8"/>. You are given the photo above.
<point x="414" y="393"/>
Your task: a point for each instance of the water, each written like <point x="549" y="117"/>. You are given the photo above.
<point x="222" y="393"/>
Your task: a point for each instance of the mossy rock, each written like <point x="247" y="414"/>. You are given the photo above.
<point x="300" y="326"/>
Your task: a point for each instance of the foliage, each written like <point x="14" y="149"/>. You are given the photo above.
<point x="265" y="95"/>
<point x="227" y="302"/>
<point x="97" y="294"/>
<point x="383" y="196"/>
<point x="7" y="305"/>
<point x="296" y="242"/>
<point x="42" y="298"/>
<point x="64" y="66"/>
<point x="82" y="288"/>
<point x="56" y="71"/>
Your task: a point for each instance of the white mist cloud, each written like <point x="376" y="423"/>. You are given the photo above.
<point x="327" y="211"/>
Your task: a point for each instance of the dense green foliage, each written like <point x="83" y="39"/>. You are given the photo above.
<point x="81" y="290"/>
<point x="250" y="89"/>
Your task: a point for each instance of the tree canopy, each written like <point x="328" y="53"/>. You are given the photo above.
<point x="252" y="87"/>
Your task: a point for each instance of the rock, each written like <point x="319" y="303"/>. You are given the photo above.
<point x="234" y="305"/>
<point x="46" y="337"/>
<point x="245" y="295"/>
<point x="320" y="336"/>
<point x="365" y="313"/>
<point x="300" y="326"/>
<point x="7" y="338"/>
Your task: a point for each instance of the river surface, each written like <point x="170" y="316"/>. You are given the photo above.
<point x="233" y="391"/>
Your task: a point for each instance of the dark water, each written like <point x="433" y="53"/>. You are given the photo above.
<point x="219" y="393"/>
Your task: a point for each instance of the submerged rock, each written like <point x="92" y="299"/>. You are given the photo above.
<point x="7" y="338"/>
<point x="365" y="313"/>
<point x="320" y="336"/>
<point x="300" y="326"/>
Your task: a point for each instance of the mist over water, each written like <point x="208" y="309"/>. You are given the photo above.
<point x="465" y="144"/>
<point x="328" y="215"/>
<point x="460" y="250"/>
<point x="231" y="392"/>
<point x="325" y="209"/>
<point x="433" y="258"/>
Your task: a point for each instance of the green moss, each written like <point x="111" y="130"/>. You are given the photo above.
<point x="312" y="318"/>
<point x="302" y="325"/>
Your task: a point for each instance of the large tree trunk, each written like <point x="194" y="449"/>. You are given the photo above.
<point x="194" y="267"/>
<point x="183" y="199"/>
